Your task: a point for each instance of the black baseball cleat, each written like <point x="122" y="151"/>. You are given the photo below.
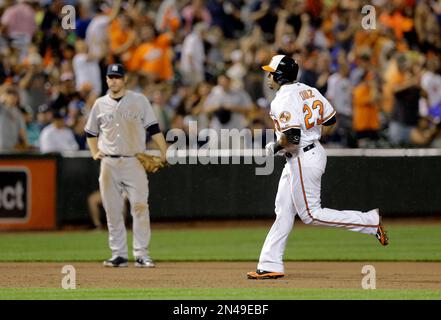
<point x="116" y="262"/>
<point x="262" y="274"/>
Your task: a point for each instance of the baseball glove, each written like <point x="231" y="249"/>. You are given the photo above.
<point x="150" y="163"/>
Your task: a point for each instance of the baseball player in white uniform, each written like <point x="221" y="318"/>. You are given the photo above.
<point x="116" y="131"/>
<point x="299" y="113"/>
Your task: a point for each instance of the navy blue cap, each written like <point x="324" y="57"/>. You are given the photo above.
<point x="115" y="69"/>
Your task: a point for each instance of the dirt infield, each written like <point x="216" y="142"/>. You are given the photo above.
<point x="389" y="275"/>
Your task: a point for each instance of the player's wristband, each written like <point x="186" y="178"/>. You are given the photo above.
<point x="277" y="147"/>
<point x="89" y="135"/>
<point x="153" y="129"/>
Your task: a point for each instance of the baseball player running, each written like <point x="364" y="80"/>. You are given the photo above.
<point x="116" y="132"/>
<point x="299" y="112"/>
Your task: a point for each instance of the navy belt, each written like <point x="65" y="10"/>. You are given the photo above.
<point x="118" y="156"/>
<point x="305" y="149"/>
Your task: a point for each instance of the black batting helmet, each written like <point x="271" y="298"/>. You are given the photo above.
<point x="283" y="68"/>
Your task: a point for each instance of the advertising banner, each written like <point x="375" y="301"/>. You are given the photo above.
<point x="27" y="194"/>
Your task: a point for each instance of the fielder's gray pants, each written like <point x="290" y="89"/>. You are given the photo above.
<point x="127" y="175"/>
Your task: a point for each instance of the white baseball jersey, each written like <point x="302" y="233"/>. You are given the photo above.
<point x="300" y="106"/>
<point x="121" y="126"/>
<point x="299" y="193"/>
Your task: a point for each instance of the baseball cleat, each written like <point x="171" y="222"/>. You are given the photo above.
<point x="144" y="263"/>
<point x="116" y="262"/>
<point x="262" y="274"/>
<point x="381" y="234"/>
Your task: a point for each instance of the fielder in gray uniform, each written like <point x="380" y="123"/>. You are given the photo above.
<point x="116" y="131"/>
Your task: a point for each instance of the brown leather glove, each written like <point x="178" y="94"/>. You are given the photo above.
<point x="150" y="163"/>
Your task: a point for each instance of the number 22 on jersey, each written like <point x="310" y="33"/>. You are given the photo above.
<point x="309" y="123"/>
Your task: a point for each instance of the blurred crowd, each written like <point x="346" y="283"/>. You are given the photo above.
<point x="199" y="60"/>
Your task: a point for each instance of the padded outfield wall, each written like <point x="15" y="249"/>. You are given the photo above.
<point x="404" y="182"/>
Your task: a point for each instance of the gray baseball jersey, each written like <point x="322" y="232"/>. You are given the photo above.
<point x="121" y="125"/>
<point x="121" y="130"/>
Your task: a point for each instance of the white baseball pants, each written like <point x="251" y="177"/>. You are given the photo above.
<point x="299" y="193"/>
<point x="118" y="175"/>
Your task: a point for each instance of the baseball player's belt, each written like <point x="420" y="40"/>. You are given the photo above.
<point x="305" y="149"/>
<point x="118" y="156"/>
<point x="309" y="147"/>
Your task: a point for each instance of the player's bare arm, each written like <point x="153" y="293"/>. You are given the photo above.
<point x="92" y="142"/>
<point x="289" y="138"/>
<point x="329" y="126"/>
<point x="160" y="142"/>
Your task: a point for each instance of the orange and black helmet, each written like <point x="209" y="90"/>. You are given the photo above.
<point x="283" y="68"/>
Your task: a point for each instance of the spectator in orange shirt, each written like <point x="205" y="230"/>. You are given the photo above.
<point x="366" y="122"/>
<point x="395" y="20"/>
<point x="122" y="38"/>
<point x="393" y="75"/>
<point x="152" y="58"/>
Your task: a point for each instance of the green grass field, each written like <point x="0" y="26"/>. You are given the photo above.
<point x="408" y="243"/>
<point x="217" y="294"/>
